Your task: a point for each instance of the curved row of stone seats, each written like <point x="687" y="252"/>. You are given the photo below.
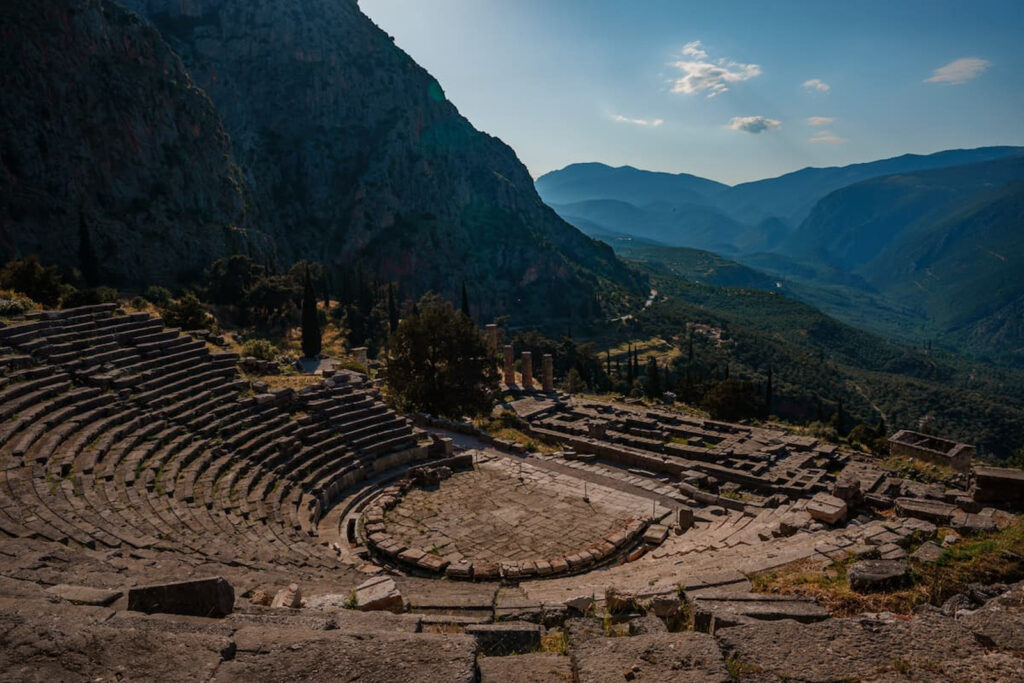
<point x="71" y="516"/>
<point x="161" y="447"/>
<point x="129" y="457"/>
<point x="348" y="435"/>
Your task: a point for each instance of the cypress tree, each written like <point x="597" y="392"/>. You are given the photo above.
<point x="839" y="418"/>
<point x="392" y="308"/>
<point x="768" y="391"/>
<point x="310" y="322"/>
<point x="87" y="261"/>
<point x="465" y="302"/>
<point x="653" y="378"/>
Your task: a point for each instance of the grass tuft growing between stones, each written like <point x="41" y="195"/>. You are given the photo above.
<point x="555" y="641"/>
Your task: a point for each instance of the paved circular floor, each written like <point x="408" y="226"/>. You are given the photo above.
<point x="505" y="510"/>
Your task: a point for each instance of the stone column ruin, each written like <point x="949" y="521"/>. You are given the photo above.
<point x="492" y="337"/>
<point x="510" y="367"/>
<point x="527" y="370"/>
<point x="548" y="378"/>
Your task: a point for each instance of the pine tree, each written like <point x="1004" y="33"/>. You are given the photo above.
<point x="768" y="394"/>
<point x="465" y="302"/>
<point x="310" y="320"/>
<point x="87" y="261"/>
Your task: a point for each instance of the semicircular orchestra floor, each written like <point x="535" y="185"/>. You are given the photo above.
<point x="506" y="517"/>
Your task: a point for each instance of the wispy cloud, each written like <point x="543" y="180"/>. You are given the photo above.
<point x="820" y="120"/>
<point x="652" y="123"/>
<point x="817" y="84"/>
<point x="700" y="73"/>
<point x="826" y="137"/>
<point x="959" y="71"/>
<point x="753" y="124"/>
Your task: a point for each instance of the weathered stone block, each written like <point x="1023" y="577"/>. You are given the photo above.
<point x="288" y="597"/>
<point x="928" y="552"/>
<point x="827" y="509"/>
<point x="83" y="595"/>
<point x="211" y="597"/>
<point x="505" y="638"/>
<point x="873" y="575"/>
<point x="379" y="594"/>
<point x="655" y="534"/>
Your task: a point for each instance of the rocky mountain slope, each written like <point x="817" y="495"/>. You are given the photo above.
<point x="103" y="126"/>
<point x="353" y="153"/>
<point x="945" y="242"/>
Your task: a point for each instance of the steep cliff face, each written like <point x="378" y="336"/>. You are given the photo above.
<point x="353" y="152"/>
<point x="102" y="125"/>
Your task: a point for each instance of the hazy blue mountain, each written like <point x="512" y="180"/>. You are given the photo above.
<point x="766" y="210"/>
<point x="851" y="227"/>
<point x="702" y="267"/>
<point x="964" y="270"/>
<point x="581" y="182"/>
<point x="790" y="197"/>
<point x="683" y="224"/>
<point x="948" y="243"/>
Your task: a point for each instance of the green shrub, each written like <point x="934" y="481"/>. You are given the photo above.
<point x="260" y="348"/>
<point x="88" y="297"/>
<point x="186" y="313"/>
<point x="160" y="296"/>
<point x="12" y="303"/>
<point x="138" y="303"/>
<point x="31" y="278"/>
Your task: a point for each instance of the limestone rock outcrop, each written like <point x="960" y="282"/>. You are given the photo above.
<point x="353" y="151"/>
<point x="103" y="126"/>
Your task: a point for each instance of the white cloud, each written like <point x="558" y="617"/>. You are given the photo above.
<point x="753" y="124"/>
<point x="817" y="84"/>
<point x="959" y="71"/>
<point x="820" y="120"/>
<point x="826" y="137"/>
<point x="700" y="73"/>
<point x="695" y="49"/>
<point x="653" y="123"/>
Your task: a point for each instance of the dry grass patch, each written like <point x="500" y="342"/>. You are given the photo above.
<point x="288" y="381"/>
<point x="996" y="557"/>
<point x="829" y="587"/>
<point x="917" y="469"/>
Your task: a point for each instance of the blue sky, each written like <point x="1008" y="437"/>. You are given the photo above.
<point x="724" y="90"/>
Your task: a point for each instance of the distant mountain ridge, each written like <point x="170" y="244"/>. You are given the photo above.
<point x="769" y="209"/>
<point x="916" y="247"/>
<point x="589" y="181"/>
